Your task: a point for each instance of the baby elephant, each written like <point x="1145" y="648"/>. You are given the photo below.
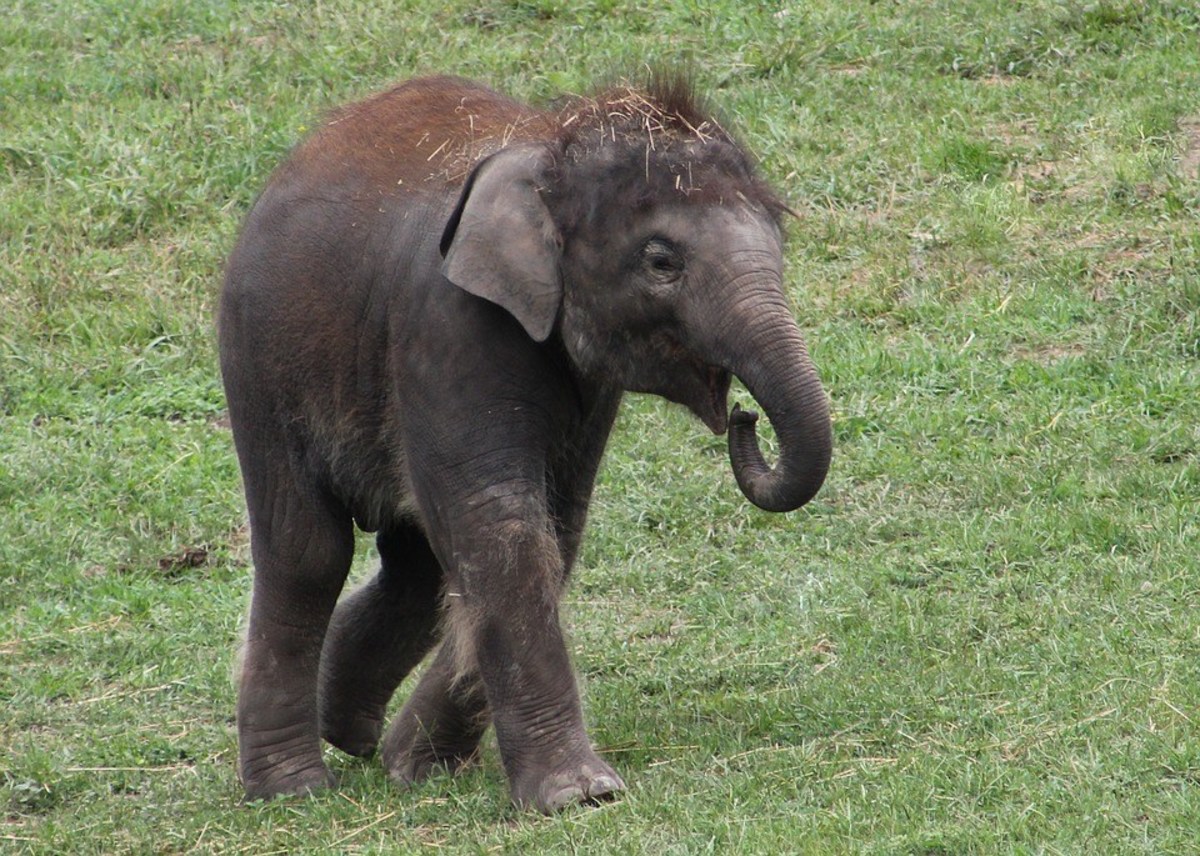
<point x="426" y="328"/>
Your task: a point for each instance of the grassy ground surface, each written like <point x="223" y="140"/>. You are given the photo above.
<point x="982" y="637"/>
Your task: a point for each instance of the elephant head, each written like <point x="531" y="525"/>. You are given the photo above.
<point x="641" y="237"/>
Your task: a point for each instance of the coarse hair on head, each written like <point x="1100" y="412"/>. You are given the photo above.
<point x="645" y="143"/>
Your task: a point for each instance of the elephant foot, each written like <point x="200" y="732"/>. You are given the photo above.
<point x="589" y="781"/>
<point x="412" y="752"/>
<point x="347" y="720"/>
<point x="277" y="757"/>
<point x="285" y="779"/>
<point x="440" y="725"/>
<point x="358" y="737"/>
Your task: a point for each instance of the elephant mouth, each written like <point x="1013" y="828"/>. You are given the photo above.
<point x="700" y="387"/>
<point x="715" y="411"/>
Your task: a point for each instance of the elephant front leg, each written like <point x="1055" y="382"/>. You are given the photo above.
<point x="506" y="625"/>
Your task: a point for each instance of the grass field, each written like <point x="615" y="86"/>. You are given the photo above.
<point x="982" y="637"/>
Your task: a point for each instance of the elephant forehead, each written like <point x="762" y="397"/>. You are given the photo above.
<point x="720" y="226"/>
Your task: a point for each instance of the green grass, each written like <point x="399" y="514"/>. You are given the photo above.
<point x="982" y="637"/>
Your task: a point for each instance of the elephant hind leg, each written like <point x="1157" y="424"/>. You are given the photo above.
<point x="377" y="635"/>
<point x="440" y="725"/>
<point x="302" y="545"/>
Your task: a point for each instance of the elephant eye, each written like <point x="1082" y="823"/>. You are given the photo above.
<point x="662" y="260"/>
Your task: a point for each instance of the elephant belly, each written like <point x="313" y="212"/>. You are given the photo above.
<point x="370" y="478"/>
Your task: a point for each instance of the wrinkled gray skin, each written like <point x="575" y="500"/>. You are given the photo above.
<point x="425" y="330"/>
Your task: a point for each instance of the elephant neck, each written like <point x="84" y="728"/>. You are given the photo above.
<point x="593" y="394"/>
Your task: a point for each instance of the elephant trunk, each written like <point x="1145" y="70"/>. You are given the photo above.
<point x="776" y="369"/>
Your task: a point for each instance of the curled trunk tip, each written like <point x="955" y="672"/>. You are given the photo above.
<point x="793" y="481"/>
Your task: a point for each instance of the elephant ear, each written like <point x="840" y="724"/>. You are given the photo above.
<point x="501" y="242"/>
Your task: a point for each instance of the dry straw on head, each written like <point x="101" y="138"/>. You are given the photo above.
<point x="661" y="114"/>
<point x="629" y="112"/>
